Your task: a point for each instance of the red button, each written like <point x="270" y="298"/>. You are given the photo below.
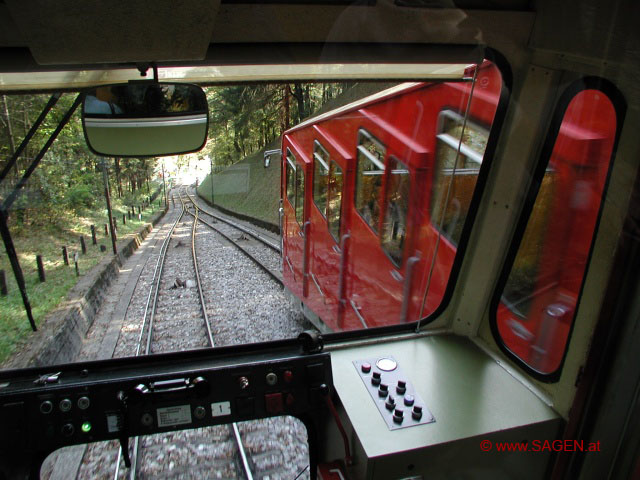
<point x="273" y="403"/>
<point x="290" y="400"/>
<point x="288" y="376"/>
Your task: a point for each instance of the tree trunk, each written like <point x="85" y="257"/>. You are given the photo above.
<point x="299" y="95"/>
<point x="285" y="123"/>
<point x="118" y="177"/>
<point x="12" y="145"/>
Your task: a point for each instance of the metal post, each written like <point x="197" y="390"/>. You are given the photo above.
<point x="14" y="158"/>
<point x="105" y="179"/>
<point x="36" y="161"/>
<point x="41" y="275"/>
<point x="4" y="209"/>
<point x="17" y="271"/>
<point x="94" y="240"/>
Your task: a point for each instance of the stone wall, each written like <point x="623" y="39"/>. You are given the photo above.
<point x="59" y="337"/>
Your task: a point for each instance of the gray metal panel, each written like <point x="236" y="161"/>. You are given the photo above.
<point x="76" y="31"/>
<point x="469" y="394"/>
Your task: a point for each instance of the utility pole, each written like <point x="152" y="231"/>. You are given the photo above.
<point x="105" y="178"/>
<point x="211" y="175"/>
<point x="164" y="187"/>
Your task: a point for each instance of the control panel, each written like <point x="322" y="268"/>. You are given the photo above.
<point x="392" y="392"/>
<point x="43" y="411"/>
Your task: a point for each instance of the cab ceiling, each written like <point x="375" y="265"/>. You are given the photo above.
<point x="41" y="35"/>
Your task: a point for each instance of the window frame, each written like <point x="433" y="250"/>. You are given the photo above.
<point x="385" y="206"/>
<point x="571" y="91"/>
<point x="333" y="162"/>
<point x="326" y="166"/>
<point x="381" y="165"/>
<point x="466" y="151"/>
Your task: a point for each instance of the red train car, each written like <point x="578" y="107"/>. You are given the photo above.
<point x="366" y="231"/>
<point x="375" y="196"/>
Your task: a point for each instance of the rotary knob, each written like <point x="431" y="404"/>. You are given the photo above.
<point x="376" y="378"/>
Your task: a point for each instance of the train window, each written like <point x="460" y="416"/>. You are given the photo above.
<point x="291" y="175"/>
<point x="537" y="298"/>
<point x="320" y="176"/>
<point x="300" y="195"/>
<point x="394" y="226"/>
<point x="370" y="170"/>
<point x="334" y="204"/>
<point x="459" y="152"/>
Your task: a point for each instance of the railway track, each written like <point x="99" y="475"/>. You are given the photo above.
<point x="258" y="247"/>
<point x="241" y="305"/>
<point x="151" y="340"/>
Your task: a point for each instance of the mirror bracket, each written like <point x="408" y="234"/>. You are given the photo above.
<point x="143" y="67"/>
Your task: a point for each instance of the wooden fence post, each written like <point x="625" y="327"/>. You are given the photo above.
<point x="41" y="275"/>
<point x="3" y="283"/>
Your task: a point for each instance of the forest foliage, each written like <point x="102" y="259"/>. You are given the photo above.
<point x="68" y="181"/>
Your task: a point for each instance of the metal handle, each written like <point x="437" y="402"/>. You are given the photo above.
<point x="406" y="289"/>
<point x="356" y="309"/>
<point x="315" y="280"/>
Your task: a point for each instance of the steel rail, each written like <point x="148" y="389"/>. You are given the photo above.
<point x="256" y="235"/>
<point x="153" y="292"/>
<point x="198" y="283"/>
<point x="276" y="276"/>
<point x="234" y="426"/>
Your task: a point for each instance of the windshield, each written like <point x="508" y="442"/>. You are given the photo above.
<point x="357" y="215"/>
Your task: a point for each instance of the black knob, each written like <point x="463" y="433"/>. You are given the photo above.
<point x="402" y="387"/>
<point x="416" y="413"/>
<point x="408" y="400"/>
<point x="46" y="407"/>
<point x="383" y="390"/>
<point x="365" y="367"/>
<point x="390" y="403"/>
<point x="398" y="415"/>
<point x="67" y="429"/>
<point x="376" y="378"/>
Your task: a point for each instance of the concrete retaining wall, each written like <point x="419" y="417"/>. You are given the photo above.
<point x="59" y="337"/>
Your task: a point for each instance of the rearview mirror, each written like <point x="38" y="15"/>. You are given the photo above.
<point x="269" y="153"/>
<point x="147" y="119"/>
